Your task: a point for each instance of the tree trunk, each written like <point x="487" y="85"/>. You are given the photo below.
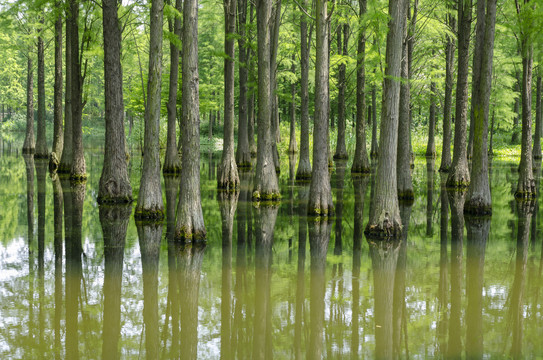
<point x="516" y="111"/>
<point x="190" y="219"/>
<point x="29" y="144"/>
<point x="490" y="147"/>
<point x="65" y="166"/>
<point x="150" y="205"/>
<point x="58" y="136"/>
<point x="114" y="182"/>
<point x="210" y="127"/>
<point x="251" y="121"/>
<point x="341" y="149"/>
<point x="385" y="218"/>
<point x="274" y="35"/>
<point x="172" y="162"/>
<point x="403" y="161"/>
<point x="266" y="185"/>
<point x="478" y="200"/>
<point x="228" y="178"/>
<point x="292" y="147"/>
<point x="459" y="172"/>
<point x="304" y="166"/>
<point x="430" y="166"/>
<point x="374" y="142"/>
<point x="243" y="153"/>
<point x="412" y="22"/>
<point x="449" y="72"/>
<point x="361" y="163"/>
<point x="431" y="146"/>
<point x="538" y="124"/>
<point x="41" y="142"/>
<point x="443" y="287"/>
<point x="320" y="192"/>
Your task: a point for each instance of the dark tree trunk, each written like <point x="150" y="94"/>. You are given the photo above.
<point x="478" y="200"/>
<point x="385" y="214"/>
<point x="412" y="23"/>
<point x="41" y="142"/>
<point x="320" y="192"/>
<point x="341" y="149"/>
<point x="228" y="178"/>
<point x="58" y="135"/>
<point x="251" y="120"/>
<point x="190" y="219"/>
<point x="304" y="165"/>
<point x="114" y="182"/>
<point x="65" y="166"/>
<point x="490" y="146"/>
<point x="443" y="288"/>
<point x="29" y="144"/>
<point x="114" y="221"/>
<point x="300" y="308"/>
<point x="172" y="162"/>
<point x="292" y="146"/>
<point x="459" y="172"/>
<point x="58" y="202"/>
<point x="538" y="123"/>
<point x="430" y="167"/>
<point x="78" y="172"/>
<point x="243" y="153"/>
<point x="274" y="36"/>
<point x="431" y="146"/>
<point x="516" y="111"/>
<point x="374" y="142"/>
<point x="266" y="185"/>
<point x="150" y="205"/>
<point x="361" y="164"/>
<point x="403" y="160"/>
<point x="447" y="109"/>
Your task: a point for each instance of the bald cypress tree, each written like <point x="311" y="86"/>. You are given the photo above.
<point x="29" y="145"/>
<point x="41" y="143"/>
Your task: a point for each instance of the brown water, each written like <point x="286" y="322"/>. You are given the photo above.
<point x="267" y="284"/>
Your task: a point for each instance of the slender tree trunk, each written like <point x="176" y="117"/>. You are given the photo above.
<point x="172" y="162"/>
<point x="304" y="165"/>
<point x="341" y="149"/>
<point x="65" y="166"/>
<point x="228" y="178"/>
<point x="412" y="23"/>
<point x="41" y="142"/>
<point x="29" y="144"/>
<point x="431" y="146"/>
<point x="538" y="124"/>
<point x="478" y="200"/>
<point x="243" y="153"/>
<point x="114" y="182"/>
<point x="210" y="127"/>
<point x="459" y="172"/>
<point x="150" y="205"/>
<point x="516" y="111"/>
<point x="274" y="36"/>
<point x="490" y="146"/>
<point x="190" y="219"/>
<point x="361" y="163"/>
<point x="266" y="185"/>
<point x="449" y="72"/>
<point x="292" y="147"/>
<point x="251" y="120"/>
<point x="58" y="136"/>
<point x="374" y="142"/>
<point x="320" y="192"/>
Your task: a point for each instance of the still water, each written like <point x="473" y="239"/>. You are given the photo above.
<point x="80" y="281"/>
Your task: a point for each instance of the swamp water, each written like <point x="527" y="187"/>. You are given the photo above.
<point x="268" y="284"/>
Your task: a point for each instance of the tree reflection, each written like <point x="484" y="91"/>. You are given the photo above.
<point x="430" y="168"/>
<point x="41" y="173"/>
<point x="29" y="165"/>
<point x="58" y="253"/>
<point x="303" y="195"/>
<point x="443" y="288"/>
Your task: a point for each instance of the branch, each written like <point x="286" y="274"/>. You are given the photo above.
<point x="304" y="10"/>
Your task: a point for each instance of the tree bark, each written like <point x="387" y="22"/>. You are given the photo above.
<point x="304" y="165"/>
<point x="538" y="122"/>
<point x="266" y="185"/>
<point x="114" y="182"/>
<point x="150" y="205"/>
<point x="478" y="200"/>
<point x="41" y="142"/>
<point x="58" y="136"/>
<point x="274" y="35"/>
<point x="361" y="163"/>
<point x="516" y="111"/>
<point x="172" y="162"/>
<point x="190" y="219"/>
<point x="374" y="142"/>
<point x="228" y="178"/>
<point x="431" y="146"/>
<point x="243" y="153"/>
<point x="292" y="147"/>
<point x="65" y="166"/>
<point x="459" y="172"/>
<point x="29" y="145"/>
<point x="449" y="72"/>
<point x="320" y="192"/>
<point x="341" y="149"/>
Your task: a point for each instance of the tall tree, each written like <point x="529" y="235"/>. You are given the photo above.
<point x="150" y="205"/>
<point x="374" y="142"/>
<point x="172" y="162"/>
<point x="538" y="122"/>
<point x="41" y="142"/>
<point x="360" y="161"/>
<point x="190" y="219"/>
<point x="58" y="135"/>
<point x="243" y="152"/>
<point x="304" y="166"/>
<point x="228" y="178"/>
<point x="459" y="172"/>
<point x="447" y="107"/>
<point x="29" y="145"/>
<point x="275" y="22"/>
<point x="385" y="214"/>
<point x="292" y="146"/>
<point x="431" y="146"/>
<point x="320" y="192"/>
<point x="343" y="49"/>
<point x="65" y="165"/>
<point x="266" y="185"/>
<point x="478" y="200"/>
<point x="114" y="182"/>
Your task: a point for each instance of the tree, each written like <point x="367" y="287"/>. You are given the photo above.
<point x="114" y="182"/>
<point x="341" y="149"/>
<point x="320" y="192"/>
<point x="29" y="144"/>
<point x="459" y="172"/>
<point x="538" y="121"/>
<point x="449" y="72"/>
<point x="385" y="214"/>
<point x="58" y="135"/>
<point x="266" y="185"/>
<point x="65" y="165"/>
<point x="243" y="153"/>
<point x="150" y="204"/>
<point x="360" y="161"/>
<point x="431" y="146"/>
<point x="228" y="178"/>
<point x="190" y="219"/>
<point x="41" y="143"/>
<point x="292" y="146"/>
<point x="374" y="142"/>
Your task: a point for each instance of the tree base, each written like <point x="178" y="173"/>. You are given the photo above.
<point x="360" y="171"/>
<point x="188" y="236"/>
<point x="443" y="169"/>
<point x="374" y="154"/>
<point x="384" y="229"/>
<point x="28" y="151"/>
<point x="114" y="200"/>
<point x="78" y="178"/>
<point x="406" y="195"/>
<point x="317" y="212"/>
<point x="149" y="215"/>
<point x="521" y="195"/>
<point x="477" y="207"/>
<point x="41" y="156"/>
<point x="458" y="179"/>
<point x="537" y="156"/>
<point x="172" y="170"/>
<point x="266" y="197"/>
<point x="54" y="162"/>
<point x="245" y="165"/>
<point x="431" y="155"/>
<point x="64" y="169"/>
<point x="341" y="156"/>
